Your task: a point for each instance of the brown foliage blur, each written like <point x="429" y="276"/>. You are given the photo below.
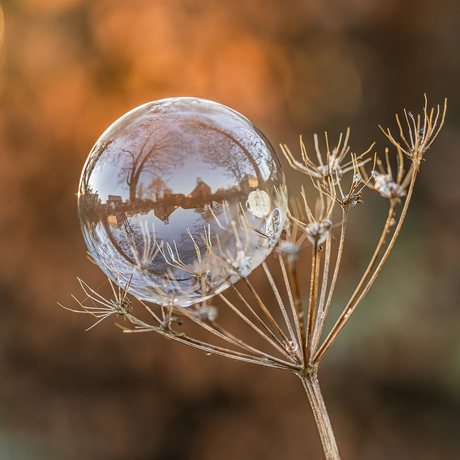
<point x="69" y="68"/>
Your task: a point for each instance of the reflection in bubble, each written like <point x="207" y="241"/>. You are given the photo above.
<point x="181" y="197"/>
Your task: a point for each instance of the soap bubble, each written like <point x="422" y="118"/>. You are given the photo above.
<point x="179" y="198"/>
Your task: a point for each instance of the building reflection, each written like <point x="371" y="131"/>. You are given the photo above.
<point x="128" y="222"/>
<point x="163" y="203"/>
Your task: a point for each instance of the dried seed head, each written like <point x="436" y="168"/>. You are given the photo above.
<point x="351" y="200"/>
<point x="206" y="313"/>
<point x="386" y="186"/>
<point x="289" y="250"/>
<point x="317" y="231"/>
<point x="242" y="264"/>
<point x="330" y="169"/>
<point x="124" y="306"/>
<point x="422" y="131"/>
<point x="333" y="171"/>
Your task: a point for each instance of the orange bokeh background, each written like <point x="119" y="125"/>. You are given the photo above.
<point x="68" y="69"/>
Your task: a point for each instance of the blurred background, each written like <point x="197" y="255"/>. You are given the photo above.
<point x="68" y="69"/>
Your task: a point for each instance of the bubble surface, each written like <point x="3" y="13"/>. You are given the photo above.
<point x="179" y="198"/>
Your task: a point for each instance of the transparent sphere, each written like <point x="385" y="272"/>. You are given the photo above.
<point x="179" y="198"/>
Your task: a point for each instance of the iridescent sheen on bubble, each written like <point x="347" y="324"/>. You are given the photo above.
<point x="179" y="198"/>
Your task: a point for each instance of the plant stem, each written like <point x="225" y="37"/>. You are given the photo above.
<point x="325" y="309"/>
<point x="311" y="386"/>
<point x="312" y="301"/>
<point x="351" y="305"/>
<point x="298" y="303"/>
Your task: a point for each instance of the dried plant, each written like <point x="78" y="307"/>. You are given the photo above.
<point x="293" y="326"/>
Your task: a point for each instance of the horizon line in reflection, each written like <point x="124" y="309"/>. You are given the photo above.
<point x="164" y="203"/>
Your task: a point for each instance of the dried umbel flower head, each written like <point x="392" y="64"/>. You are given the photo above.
<point x="292" y="321"/>
<point x="386" y="186"/>
<point x="243" y="264"/>
<point x="354" y="195"/>
<point x="289" y="250"/>
<point x="315" y="230"/>
<point x="330" y="169"/>
<point x="102" y="308"/>
<point x="206" y="313"/>
<point x="318" y="231"/>
<point x="423" y="130"/>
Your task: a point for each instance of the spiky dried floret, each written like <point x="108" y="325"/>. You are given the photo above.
<point x="317" y="231"/>
<point x="421" y="134"/>
<point x="386" y="186"/>
<point x="328" y="170"/>
<point x="101" y="307"/>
